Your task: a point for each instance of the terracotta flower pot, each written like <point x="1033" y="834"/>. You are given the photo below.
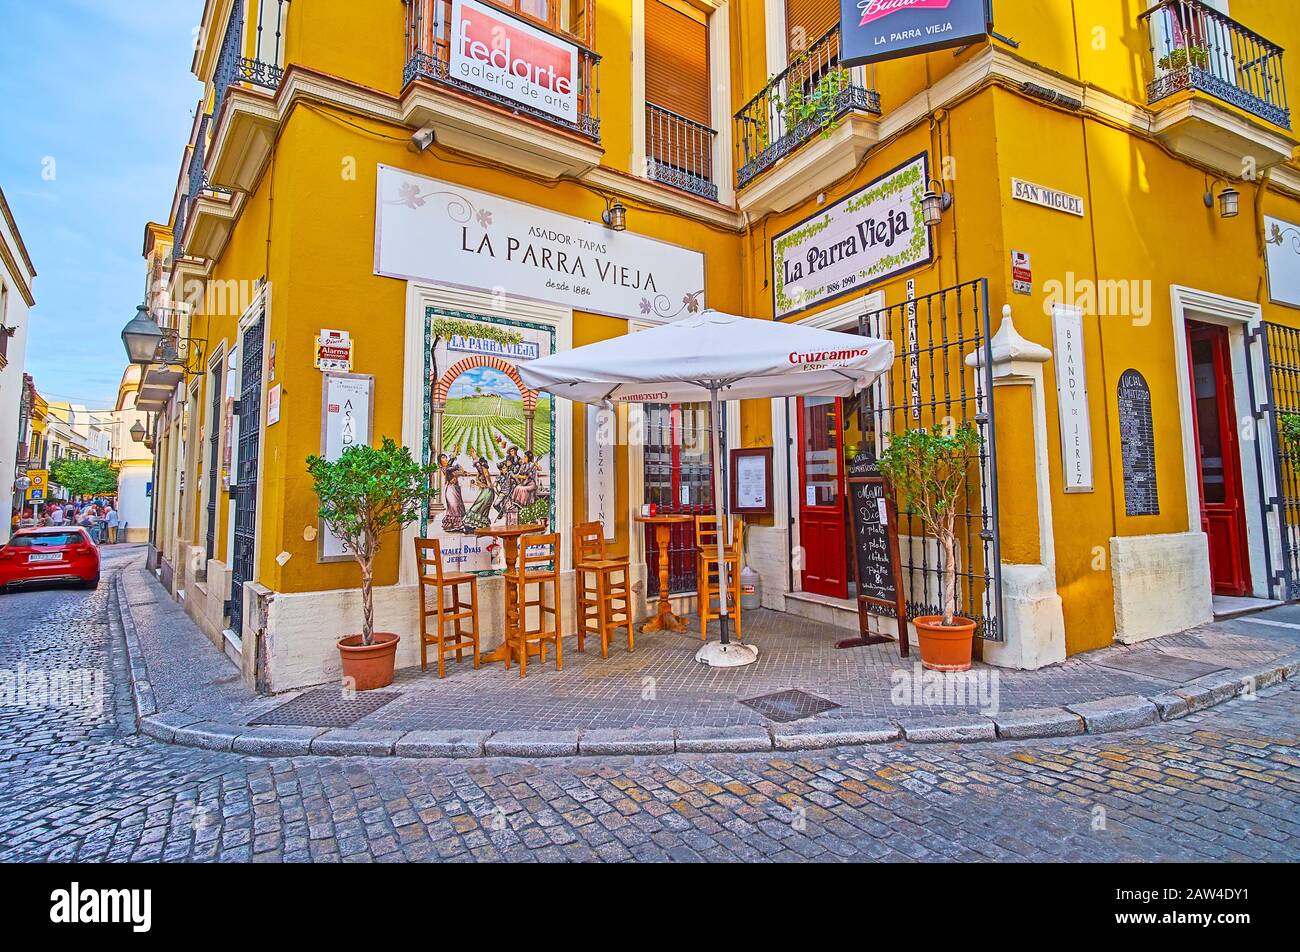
<point x="368" y="666"/>
<point x="944" y="647"/>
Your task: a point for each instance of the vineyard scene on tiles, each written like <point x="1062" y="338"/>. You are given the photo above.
<point x="489" y="436"/>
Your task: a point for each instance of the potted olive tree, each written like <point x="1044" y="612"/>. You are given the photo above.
<point x="364" y="495"/>
<point x="928" y="468"/>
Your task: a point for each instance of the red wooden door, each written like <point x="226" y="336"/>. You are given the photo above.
<point x="1223" y="511"/>
<point x="821" y="497"/>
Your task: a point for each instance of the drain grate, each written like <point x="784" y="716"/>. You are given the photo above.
<point x="326" y="707"/>
<point x="792" y="705"/>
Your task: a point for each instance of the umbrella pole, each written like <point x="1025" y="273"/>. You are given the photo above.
<point x="724" y="523"/>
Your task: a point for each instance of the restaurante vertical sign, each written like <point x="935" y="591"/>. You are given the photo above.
<point x="875" y="30"/>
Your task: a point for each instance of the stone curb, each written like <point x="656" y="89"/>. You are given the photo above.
<point x="820" y="735"/>
<point x="735" y="739"/>
<point x="143" y="698"/>
<point x="949" y="728"/>
<point x="1038" y="722"/>
<point x="1103" y="716"/>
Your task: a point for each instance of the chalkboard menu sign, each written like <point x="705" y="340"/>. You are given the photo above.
<point x="874" y="523"/>
<point x="1137" y="446"/>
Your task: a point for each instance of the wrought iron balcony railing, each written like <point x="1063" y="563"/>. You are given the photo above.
<point x="196" y="183"/>
<point x="679" y="152"/>
<point x="428" y="56"/>
<point x="805" y="100"/>
<point x="263" y="67"/>
<point x="1194" y="46"/>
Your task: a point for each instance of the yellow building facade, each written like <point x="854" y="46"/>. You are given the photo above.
<point x="373" y="227"/>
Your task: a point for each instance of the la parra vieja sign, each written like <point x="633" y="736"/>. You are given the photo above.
<point x="873" y="234"/>
<point x="875" y="30"/>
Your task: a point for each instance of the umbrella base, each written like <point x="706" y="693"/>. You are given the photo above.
<point x="717" y="655"/>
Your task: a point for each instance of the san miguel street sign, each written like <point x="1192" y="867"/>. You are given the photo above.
<point x="875" y="30"/>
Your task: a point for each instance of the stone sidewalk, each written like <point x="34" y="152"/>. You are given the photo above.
<point x="802" y="694"/>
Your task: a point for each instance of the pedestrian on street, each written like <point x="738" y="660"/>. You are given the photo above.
<point x="112" y="520"/>
<point x="56" y="515"/>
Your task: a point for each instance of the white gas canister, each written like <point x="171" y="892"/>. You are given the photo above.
<point x="751" y="589"/>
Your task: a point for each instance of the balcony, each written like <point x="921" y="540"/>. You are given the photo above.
<point x="202" y="219"/>
<point x="1212" y="81"/>
<point x="813" y="99"/>
<point x="476" y="120"/>
<point x="242" y="86"/>
<point x="1194" y="47"/>
<point x="679" y="152"/>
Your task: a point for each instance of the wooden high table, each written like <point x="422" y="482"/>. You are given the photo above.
<point x="665" y="620"/>
<point x="514" y="596"/>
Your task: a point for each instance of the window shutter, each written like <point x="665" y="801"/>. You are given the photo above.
<point x="677" y="60"/>
<point x="807" y="21"/>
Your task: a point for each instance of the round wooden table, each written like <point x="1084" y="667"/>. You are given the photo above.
<point x="509" y="536"/>
<point x="664" y="620"/>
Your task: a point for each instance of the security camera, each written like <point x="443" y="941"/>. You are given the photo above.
<point x="422" y="140"/>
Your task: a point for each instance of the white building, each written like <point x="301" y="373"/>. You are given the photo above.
<point x="16" y="278"/>
<point x="134" y="461"/>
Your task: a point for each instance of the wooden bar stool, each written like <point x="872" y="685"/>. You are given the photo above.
<point x="428" y="561"/>
<point x="601" y="588"/>
<point x="539" y="565"/>
<point x="707" y="574"/>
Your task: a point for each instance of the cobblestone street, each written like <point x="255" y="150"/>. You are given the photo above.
<point x="78" y="784"/>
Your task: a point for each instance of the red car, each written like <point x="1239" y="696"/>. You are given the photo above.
<point x="56" y="554"/>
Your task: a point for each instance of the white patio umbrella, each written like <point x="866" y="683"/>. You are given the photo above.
<point x="715" y="357"/>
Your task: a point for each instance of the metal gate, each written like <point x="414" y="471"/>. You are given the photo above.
<point x="250" y="431"/>
<point x="932" y="384"/>
<point x="1277" y="415"/>
<point x="214" y="454"/>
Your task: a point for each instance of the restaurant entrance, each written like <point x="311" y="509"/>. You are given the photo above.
<point x="830" y="435"/>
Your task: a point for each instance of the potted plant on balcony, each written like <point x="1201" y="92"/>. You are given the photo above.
<point x="815" y="102"/>
<point x="364" y="495"/>
<point x="1176" y="59"/>
<point x="929" y="468"/>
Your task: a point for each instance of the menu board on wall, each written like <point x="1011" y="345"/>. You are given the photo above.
<point x="1137" y="446"/>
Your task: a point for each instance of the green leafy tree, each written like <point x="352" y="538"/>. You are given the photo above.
<point x="928" y="468"/>
<point x="365" y="494"/>
<point x="84" y="477"/>
<point x="1291" y="431"/>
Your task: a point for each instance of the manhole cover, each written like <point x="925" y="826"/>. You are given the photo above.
<point x="326" y="707"/>
<point x="786" y="706"/>
<point x="1161" y="666"/>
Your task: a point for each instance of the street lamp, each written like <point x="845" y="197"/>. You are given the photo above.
<point x="138" y="432"/>
<point x="1229" y="200"/>
<point x="141" y="337"/>
<point x="615" y="215"/>
<point x="934" y="204"/>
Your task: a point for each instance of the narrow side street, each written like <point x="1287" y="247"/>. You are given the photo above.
<point x="81" y="785"/>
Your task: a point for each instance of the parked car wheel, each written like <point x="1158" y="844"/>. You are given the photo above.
<point x="90" y="584"/>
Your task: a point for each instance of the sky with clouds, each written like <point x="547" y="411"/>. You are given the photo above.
<point x="96" y="104"/>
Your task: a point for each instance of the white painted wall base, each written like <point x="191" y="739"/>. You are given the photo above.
<point x="206" y="600"/>
<point x="1033" y="621"/>
<point x="1162" y="584"/>
<point x="298" y="648"/>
